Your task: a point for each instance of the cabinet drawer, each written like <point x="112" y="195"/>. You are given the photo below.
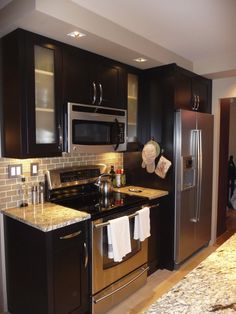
<point x="68" y="236"/>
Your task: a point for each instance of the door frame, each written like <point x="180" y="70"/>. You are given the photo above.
<point x="223" y="165"/>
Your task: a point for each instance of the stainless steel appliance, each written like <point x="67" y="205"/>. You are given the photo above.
<point x="96" y="129"/>
<point x="193" y="180"/>
<point x="111" y="281"/>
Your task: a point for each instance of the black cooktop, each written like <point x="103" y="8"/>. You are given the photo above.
<point x="76" y="188"/>
<point x="98" y="205"/>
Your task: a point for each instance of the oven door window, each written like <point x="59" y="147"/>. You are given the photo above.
<point x="135" y="247"/>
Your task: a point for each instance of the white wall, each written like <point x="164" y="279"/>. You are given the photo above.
<point x="232" y="129"/>
<point x="222" y="88"/>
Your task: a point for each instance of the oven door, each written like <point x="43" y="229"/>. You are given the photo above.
<point x="104" y="270"/>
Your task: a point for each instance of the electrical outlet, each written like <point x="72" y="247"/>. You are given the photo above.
<point x="34" y="169"/>
<point x="14" y="171"/>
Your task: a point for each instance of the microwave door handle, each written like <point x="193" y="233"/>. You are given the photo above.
<point x="118" y="140"/>
<point x="94" y="93"/>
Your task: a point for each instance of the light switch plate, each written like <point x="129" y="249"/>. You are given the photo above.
<point x="34" y="168"/>
<point x="14" y="171"/>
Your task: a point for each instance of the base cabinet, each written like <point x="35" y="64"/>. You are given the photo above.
<point x="160" y="243"/>
<point x="47" y="272"/>
<point x="154" y="239"/>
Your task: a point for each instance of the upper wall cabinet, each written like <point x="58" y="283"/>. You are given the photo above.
<point x="192" y="91"/>
<point x="163" y="90"/>
<point x="31" y="96"/>
<point x="93" y="80"/>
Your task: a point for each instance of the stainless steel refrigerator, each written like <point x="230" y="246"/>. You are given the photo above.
<point x="193" y="180"/>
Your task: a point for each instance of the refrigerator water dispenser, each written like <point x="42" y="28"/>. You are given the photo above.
<point x="188" y="173"/>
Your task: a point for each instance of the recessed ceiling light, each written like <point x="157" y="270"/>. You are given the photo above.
<point x="76" y="34"/>
<point x="140" y="59"/>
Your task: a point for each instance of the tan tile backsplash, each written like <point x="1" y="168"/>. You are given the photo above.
<point x="10" y="195"/>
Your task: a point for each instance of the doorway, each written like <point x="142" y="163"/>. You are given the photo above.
<point x="226" y="217"/>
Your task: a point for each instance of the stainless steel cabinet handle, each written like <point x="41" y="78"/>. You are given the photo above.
<point x="156" y="205"/>
<point x="71" y="235"/>
<point x="194" y="102"/>
<point x="86" y="255"/>
<point x="60" y="136"/>
<point x="94" y="93"/>
<point x="101" y="94"/>
<point x="198" y="102"/>
<point x="124" y="286"/>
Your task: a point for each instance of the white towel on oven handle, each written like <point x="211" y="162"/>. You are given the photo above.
<point x="118" y="234"/>
<point x="142" y="224"/>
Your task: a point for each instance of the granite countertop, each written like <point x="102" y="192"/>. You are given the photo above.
<point x="47" y="216"/>
<point x="209" y="288"/>
<point x="142" y="191"/>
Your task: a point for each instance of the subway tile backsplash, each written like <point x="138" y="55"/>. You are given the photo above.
<point x="10" y="195"/>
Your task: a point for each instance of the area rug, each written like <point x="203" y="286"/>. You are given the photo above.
<point x="209" y="288"/>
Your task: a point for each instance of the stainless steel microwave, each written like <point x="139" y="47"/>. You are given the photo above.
<point x="94" y="129"/>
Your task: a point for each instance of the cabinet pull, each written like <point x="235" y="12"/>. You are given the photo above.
<point x="194" y="102"/>
<point x="71" y="235"/>
<point x="94" y="93"/>
<point x="101" y="94"/>
<point x="86" y="255"/>
<point x="155" y="205"/>
<point x="198" y="102"/>
<point x="60" y="136"/>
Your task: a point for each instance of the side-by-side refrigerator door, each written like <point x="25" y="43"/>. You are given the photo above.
<point x="205" y="127"/>
<point x="185" y="182"/>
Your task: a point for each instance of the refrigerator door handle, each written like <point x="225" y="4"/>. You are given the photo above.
<point x="194" y="142"/>
<point x="199" y="186"/>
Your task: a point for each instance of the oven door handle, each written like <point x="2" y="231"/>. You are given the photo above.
<point x="124" y="286"/>
<point x="104" y="224"/>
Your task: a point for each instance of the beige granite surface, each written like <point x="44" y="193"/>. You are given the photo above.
<point x="47" y="216"/>
<point x="209" y="288"/>
<point x="141" y="191"/>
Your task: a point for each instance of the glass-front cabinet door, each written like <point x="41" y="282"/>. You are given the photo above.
<point x="45" y="128"/>
<point x="44" y="95"/>
<point x="132" y="107"/>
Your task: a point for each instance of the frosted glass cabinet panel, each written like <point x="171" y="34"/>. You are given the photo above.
<point x="44" y="95"/>
<point x="132" y="107"/>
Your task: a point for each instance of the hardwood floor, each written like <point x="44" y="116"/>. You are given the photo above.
<point x="163" y="280"/>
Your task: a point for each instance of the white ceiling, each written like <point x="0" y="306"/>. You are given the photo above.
<point x="196" y="34"/>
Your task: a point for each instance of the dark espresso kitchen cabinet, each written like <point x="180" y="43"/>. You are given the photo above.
<point x="32" y="97"/>
<point x="180" y="87"/>
<point x="154" y="239"/>
<point x="93" y="80"/>
<point x="160" y="249"/>
<point x="47" y="272"/>
<point x="192" y="91"/>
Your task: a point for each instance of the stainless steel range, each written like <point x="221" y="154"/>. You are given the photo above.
<point x="111" y="281"/>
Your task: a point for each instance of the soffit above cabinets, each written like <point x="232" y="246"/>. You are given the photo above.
<point x="192" y="34"/>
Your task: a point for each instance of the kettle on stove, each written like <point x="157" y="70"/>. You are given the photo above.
<point x="104" y="183"/>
